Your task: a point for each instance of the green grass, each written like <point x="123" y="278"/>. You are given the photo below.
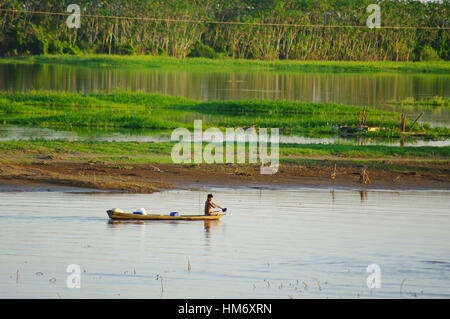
<point x="126" y="110"/>
<point x="132" y="151"/>
<point x="223" y="65"/>
<point x="59" y="109"/>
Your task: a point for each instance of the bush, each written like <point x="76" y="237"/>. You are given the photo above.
<point x="200" y="50"/>
<point x="56" y="47"/>
<point x="427" y="53"/>
<point x="39" y="43"/>
<point x="88" y="48"/>
<point x="127" y="49"/>
<point x="69" y="49"/>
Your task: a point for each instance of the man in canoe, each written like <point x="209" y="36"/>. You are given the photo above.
<point x="209" y="205"/>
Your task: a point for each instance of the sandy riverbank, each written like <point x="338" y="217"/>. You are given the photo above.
<point x="147" y="178"/>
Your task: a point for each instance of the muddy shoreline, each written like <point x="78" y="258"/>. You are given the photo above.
<point x="49" y="175"/>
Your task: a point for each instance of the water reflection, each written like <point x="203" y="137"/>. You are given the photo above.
<point x="363" y="195"/>
<point x="117" y="223"/>
<point x="11" y="133"/>
<point x="207" y="225"/>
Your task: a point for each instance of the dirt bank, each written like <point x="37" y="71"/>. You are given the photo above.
<point x="147" y="178"/>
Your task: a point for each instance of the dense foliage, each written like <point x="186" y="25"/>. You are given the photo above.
<point x="26" y="34"/>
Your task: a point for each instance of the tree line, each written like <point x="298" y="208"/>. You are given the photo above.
<point x="294" y="29"/>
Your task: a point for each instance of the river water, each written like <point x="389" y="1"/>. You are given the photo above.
<point x="291" y="243"/>
<point x="14" y="133"/>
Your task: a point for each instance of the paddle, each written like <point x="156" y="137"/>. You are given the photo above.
<point x="224" y="210"/>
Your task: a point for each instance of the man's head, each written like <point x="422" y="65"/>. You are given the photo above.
<point x="210" y="196"/>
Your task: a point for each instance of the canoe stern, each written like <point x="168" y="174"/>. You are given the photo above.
<point x="110" y="213"/>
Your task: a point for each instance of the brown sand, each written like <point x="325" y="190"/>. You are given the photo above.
<point x="147" y="178"/>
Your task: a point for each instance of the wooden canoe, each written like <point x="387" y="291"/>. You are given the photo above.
<point x="130" y="216"/>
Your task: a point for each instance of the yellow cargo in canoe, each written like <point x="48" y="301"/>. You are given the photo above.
<point x="130" y="216"/>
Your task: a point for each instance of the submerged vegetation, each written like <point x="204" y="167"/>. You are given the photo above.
<point x="434" y="104"/>
<point x="243" y="29"/>
<point x="155" y="111"/>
